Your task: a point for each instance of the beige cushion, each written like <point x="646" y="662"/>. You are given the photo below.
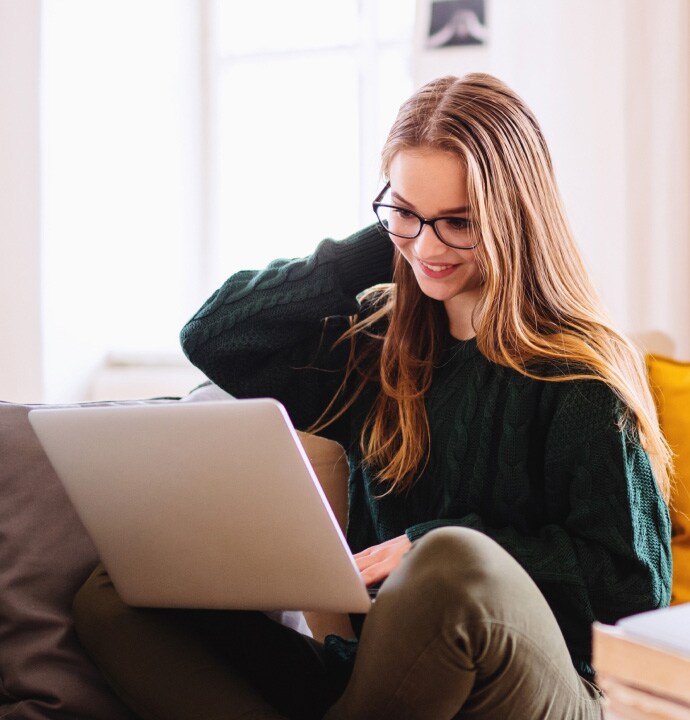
<point x="330" y="465"/>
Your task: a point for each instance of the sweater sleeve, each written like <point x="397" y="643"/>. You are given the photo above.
<point x="605" y="553"/>
<point x="271" y="332"/>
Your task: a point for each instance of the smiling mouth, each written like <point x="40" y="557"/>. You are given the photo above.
<point x="435" y="268"/>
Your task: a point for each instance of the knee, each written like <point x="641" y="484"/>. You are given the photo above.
<point x="458" y="563"/>
<point x="96" y="607"/>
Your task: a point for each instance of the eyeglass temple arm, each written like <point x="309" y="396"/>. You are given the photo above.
<point x="383" y="192"/>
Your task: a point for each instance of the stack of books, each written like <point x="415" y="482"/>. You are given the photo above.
<point x="643" y="665"/>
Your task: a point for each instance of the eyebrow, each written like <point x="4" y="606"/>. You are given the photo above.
<point x="462" y="209"/>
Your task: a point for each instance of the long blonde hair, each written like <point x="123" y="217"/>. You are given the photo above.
<point x="538" y="306"/>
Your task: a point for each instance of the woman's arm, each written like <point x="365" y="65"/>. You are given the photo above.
<point x="270" y="332"/>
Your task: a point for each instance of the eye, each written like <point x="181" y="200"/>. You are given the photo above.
<point x="402" y="213"/>
<point x="456" y="224"/>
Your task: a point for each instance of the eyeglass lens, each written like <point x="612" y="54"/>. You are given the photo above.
<point x="455" y="231"/>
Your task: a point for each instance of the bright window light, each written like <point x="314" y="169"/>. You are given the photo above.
<point x="298" y="119"/>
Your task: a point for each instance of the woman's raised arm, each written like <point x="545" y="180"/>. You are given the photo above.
<point x="271" y="332"/>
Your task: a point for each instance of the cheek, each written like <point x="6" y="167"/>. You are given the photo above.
<point x="404" y="247"/>
<point x="399" y="243"/>
<point x="474" y="271"/>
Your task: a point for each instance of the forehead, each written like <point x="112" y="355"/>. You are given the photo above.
<point x="431" y="180"/>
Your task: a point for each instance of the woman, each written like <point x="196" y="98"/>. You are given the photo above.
<point x="508" y="474"/>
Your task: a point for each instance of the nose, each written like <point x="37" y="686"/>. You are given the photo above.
<point x="427" y="245"/>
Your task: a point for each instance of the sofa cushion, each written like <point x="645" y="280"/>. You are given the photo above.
<point x="45" y="556"/>
<point x="670" y="381"/>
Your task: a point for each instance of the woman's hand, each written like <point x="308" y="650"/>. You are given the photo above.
<point x="378" y="562"/>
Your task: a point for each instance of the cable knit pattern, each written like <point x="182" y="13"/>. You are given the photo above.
<point x="543" y="468"/>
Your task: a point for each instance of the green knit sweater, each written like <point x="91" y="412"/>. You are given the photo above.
<point x="543" y="468"/>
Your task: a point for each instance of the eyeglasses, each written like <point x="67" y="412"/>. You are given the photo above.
<point x="456" y="232"/>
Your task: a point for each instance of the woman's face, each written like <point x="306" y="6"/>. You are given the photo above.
<point x="433" y="183"/>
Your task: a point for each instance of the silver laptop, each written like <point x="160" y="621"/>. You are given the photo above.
<point x="210" y="504"/>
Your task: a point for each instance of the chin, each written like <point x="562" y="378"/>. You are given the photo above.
<point x="438" y="295"/>
<point x="435" y="290"/>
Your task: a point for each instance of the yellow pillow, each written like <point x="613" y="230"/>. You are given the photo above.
<point x="670" y="382"/>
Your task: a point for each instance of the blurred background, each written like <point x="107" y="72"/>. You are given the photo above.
<point x="149" y="148"/>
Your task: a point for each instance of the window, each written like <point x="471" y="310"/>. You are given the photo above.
<point x="183" y="141"/>
<point x="301" y="96"/>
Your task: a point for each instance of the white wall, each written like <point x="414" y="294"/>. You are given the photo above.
<point x="20" y="330"/>
<point x="123" y="184"/>
<point x="609" y="82"/>
<point x="658" y="167"/>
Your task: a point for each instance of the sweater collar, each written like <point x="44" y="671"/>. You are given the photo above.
<point x="461" y="349"/>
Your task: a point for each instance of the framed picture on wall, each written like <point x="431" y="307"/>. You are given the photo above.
<point x="457" y="22"/>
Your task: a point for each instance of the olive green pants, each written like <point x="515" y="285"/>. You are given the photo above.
<point x="459" y="630"/>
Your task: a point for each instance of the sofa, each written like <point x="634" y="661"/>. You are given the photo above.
<point x="45" y="556"/>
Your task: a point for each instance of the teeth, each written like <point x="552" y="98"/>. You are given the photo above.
<point x="435" y="268"/>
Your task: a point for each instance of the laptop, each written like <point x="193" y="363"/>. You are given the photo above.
<point x="204" y="505"/>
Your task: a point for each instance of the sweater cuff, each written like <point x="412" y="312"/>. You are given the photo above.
<point x="365" y="259"/>
<point x="417" y="531"/>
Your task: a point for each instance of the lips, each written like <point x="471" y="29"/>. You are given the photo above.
<point x="436" y="271"/>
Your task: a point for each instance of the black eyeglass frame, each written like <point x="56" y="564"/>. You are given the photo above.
<point x="422" y="221"/>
